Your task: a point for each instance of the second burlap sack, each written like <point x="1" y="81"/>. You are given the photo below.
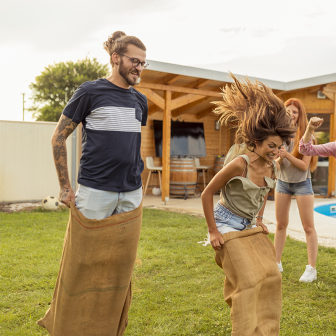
<point x="252" y="286"/>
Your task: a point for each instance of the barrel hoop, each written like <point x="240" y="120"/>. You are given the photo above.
<point x="183" y="183"/>
<point x="181" y="170"/>
<point x="183" y="165"/>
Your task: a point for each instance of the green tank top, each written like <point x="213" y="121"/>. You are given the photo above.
<point x="244" y="198"/>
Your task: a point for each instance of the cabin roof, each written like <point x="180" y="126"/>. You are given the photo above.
<point x="222" y="76"/>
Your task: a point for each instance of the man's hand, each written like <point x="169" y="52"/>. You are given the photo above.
<point x="66" y="196"/>
<point x="314" y="123"/>
<point x="216" y="240"/>
<point x="264" y="227"/>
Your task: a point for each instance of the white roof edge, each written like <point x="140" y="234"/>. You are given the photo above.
<point x="205" y="73"/>
<point x="307" y="82"/>
<point x="224" y="76"/>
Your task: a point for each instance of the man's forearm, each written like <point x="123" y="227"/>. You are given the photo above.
<point x="64" y="128"/>
<point x="61" y="164"/>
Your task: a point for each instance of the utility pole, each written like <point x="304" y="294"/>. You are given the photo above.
<point x="23" y="109"/>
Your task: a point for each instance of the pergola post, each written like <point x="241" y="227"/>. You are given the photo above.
<point x="332" y="162"/>
<point x="166" y="147"/>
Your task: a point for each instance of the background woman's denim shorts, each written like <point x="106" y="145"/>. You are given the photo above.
<point x="227" y="221"/>
<point x="298" y="189"/>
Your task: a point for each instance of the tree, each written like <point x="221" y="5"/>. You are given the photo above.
<point x="57" y="83"/>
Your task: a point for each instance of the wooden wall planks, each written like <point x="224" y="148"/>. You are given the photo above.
<point x="212" y="137"/>
<point x="310" y="101"/>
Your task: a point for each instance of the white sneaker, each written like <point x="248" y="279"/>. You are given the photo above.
<point x="309" y="275"/>
<point x="280" y="267"/>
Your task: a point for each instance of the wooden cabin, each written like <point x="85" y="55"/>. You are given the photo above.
<point x="182" y="93"/>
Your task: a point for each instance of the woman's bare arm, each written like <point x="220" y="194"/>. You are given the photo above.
<point x="302" y="164"/>
<point x="234" y="168"/>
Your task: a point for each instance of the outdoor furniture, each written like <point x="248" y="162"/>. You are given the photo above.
<point x="201" y="171"/>
<point x="152" y="170"/>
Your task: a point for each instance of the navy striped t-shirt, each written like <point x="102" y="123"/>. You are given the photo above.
<point x="112" y="118"/>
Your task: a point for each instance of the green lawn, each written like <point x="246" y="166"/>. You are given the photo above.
<point x="177" y="285"/>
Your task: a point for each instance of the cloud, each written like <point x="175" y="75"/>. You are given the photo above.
<point x="263" y="32"/>
<point x="67" y="24"/>
<point x="296" y="60"/>
<point x="233" y="30"/>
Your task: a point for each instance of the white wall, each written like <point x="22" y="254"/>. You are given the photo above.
<point x="27" y="170"/>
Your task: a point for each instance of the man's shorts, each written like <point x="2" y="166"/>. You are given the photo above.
<point x="100" y="204"/>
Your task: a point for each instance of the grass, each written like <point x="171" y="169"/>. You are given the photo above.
<point x="177" y="287"/>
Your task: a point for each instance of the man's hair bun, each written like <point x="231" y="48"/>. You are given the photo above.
<point x="118" y="42"/>
<point x="117" y="35"/>
<point x="108" y="45"/>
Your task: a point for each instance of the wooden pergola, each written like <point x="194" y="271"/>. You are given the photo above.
<point x="175" y="91"/>
<point x="174" y="95"/>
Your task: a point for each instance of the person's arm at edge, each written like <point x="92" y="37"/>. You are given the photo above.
<point x="62" y="131"/>
<point x="235" y="167"/>
<point x="324" y="150"/>
<point x="307" y="148"/>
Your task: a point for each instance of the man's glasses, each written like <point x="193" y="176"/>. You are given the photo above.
<point x="136" y="61"/>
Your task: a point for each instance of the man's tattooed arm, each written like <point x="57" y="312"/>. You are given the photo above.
<point x="63" y="129"/>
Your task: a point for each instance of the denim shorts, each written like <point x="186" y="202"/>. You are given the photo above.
<point x="298" y="189"/>
<point x="226" y="221"/>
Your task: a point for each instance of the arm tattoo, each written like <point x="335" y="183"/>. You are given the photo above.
<point x="63" y="129"/>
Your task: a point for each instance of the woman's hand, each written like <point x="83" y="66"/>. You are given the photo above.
<point x="216" y="240"/>
<point x="264" y="227"/>
<point x="314" y="123"/>
<point x="283" y="152"/>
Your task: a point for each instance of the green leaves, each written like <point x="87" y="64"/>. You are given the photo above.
<point x="57" y="83"/>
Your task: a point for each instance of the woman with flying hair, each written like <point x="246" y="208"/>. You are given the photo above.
<point x="252" y="286"/>
<point x="294" y="179"/>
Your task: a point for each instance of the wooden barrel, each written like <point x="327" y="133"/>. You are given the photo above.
<point x="219" y="162"/>
<point x="183" y="176"/>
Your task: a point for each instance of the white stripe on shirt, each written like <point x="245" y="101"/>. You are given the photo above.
<point x="112" y="118"/>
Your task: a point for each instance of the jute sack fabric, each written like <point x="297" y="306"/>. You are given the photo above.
<point x="93" y="289"/>
<point x="252" y="286"/>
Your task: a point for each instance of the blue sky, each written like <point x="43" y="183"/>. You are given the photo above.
<point x="284" y="40"/>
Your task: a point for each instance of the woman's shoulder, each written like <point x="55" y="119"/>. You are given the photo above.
<point x="238" y="164"/>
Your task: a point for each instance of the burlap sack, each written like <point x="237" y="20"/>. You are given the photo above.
<point x="93" y="289"/>
<point x="252" y="286"/>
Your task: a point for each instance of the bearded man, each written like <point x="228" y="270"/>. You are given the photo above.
<point x="93" y="290"/>
<point x="112" y="113"/>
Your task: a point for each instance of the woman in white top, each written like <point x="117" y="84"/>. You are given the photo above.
<point x="294" y="179"/>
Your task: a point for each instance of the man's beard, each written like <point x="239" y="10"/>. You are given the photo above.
<point x="125" y="73"/>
